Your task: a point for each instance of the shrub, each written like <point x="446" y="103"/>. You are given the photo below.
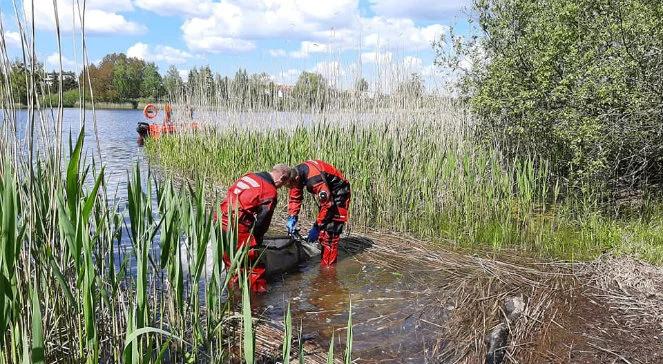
<point x="577" y="81"/>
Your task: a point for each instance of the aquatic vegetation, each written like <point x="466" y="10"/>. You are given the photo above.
<point x="420" y="172"/>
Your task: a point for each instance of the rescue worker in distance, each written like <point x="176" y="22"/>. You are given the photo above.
<point x="253" y="197"/>
<point x="332" y="192"/>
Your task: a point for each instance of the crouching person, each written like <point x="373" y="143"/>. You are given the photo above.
<point x="332" y="192"/>
<point x="253" y="199"/>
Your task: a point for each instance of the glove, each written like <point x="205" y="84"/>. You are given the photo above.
<point x="313" y="233"/>
<point x="291" y="224"/>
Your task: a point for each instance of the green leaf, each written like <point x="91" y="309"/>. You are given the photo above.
<point x="89" y="202"/>
<point x="247" y="323"/>
<point x="287" y="336"/>
<point x="73" y="184"/>
<point x="37" y="330"/>
<point x="348" y="338"/>
<point x="63" y="283"/>
<point x="330" y="353"/>
<point x="148" y="330"/>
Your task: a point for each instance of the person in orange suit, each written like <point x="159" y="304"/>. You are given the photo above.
<point x="332" y="192"/>
<point x="253" y="197"/>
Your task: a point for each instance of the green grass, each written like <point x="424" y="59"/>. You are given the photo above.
<point x="424" y="175"/>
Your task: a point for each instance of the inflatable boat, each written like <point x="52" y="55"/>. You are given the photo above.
<point x="154" y="130"/>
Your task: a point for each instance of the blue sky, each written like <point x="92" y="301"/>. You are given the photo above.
<point x="341" y="39"/>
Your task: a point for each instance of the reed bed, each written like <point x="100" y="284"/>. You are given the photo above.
<point x="419" y="171"/>
<point x="90" y="277"/>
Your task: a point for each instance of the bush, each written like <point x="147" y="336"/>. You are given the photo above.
<point x="69" y="98"/>
<point x="579" y="82"/>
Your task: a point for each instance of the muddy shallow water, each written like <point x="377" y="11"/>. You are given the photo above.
<point x="393" y="318"/>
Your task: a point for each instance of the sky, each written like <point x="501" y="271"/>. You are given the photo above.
<point x="342" y="39"/>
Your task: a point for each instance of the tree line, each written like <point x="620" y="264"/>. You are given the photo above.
<point x="118" y="78"/>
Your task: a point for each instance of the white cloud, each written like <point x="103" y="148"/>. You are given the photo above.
<point x="215" y="26"/>
<point x="176" y="7"/>
<point x="184" y="74"/>
<point x="217" y="44"/>
<point x="308" y="47"/>
<point x="277" y="52"/>
<point x="13" y="39"/>
<point x="418" y="9"/>
<point x="331" y="71"/>
<point x="287" y="77"/>
<point x="411" y="62"/>
<point x="107" y="5"/>
<point x="54" y="62"/>
<point x="399" y="33"/>
<point x="101" y="16"/>
<point x="235" y="24"/>
<point x="376" y="57"/>
<point x="159" y="53"/>
<point x="376" y="33"/>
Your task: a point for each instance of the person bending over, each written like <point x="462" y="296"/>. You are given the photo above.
<point x="331" y="190"/>
<point x="253" y="197"/>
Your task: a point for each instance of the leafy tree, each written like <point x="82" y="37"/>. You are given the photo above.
<point x="361" y="85"/>
<point x="127" y="77"/>
<point x="576" y="81"/>
<point x="260" y="89"/>
<point x="311" y="90"/>
<point x="206" y="83"/>
<point x="413" y="87"/>
<point x="221" y="85"/>
<point x="152" y="83"/>
<point x="239" y="89"/>
<point x="20" y="87"/>
<point x="101" y="79"/>
<point x="172" y="82"/>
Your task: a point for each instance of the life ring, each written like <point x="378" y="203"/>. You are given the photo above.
<point x="150" y="111"/>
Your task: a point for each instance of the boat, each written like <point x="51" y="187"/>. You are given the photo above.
<point x="155" y="130"/>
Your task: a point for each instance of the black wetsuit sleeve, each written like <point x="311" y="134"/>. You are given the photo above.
<point x="263" y="220"/>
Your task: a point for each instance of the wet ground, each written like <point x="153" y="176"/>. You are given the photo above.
<point x="393" y="320"/>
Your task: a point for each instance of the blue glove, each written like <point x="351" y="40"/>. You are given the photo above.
<point x="313" y="233"/>
<point x="291" y="224"/>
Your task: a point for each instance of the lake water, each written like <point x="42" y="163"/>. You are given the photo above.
<point x="393" y="322"/>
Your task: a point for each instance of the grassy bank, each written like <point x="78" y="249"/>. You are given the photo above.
<point x="422" y="173"/>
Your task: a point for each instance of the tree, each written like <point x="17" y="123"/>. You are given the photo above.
<point x="311" y="90"/>
<point x="259" y="88"/>
<point x="19" y="86"/>
<point x="361" y="85"/>
<point x="574" y="81"/>
<point x="172" y="82"/>
<point x="413" y="87"/>
<point x="101" y="79"/>
<point x="206" y="83"/>
<point x="152" y="83"/>
<point x="127" y="77"/>
<point x="239" y="89"/>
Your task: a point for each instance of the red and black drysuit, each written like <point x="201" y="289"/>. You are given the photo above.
<point x="254" y="198"/>
<point x="332" y="192"/>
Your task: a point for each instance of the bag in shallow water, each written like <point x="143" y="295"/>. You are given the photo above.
<point x="283" y="254"/>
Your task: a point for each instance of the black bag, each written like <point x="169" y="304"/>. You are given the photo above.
<point x="282" y="254"/>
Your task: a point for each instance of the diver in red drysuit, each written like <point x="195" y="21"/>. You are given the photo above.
<point x="254" y="198"/>
<point x="332" y="192"/>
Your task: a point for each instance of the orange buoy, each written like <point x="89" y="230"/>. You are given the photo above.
<point x="150" y="111"/>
